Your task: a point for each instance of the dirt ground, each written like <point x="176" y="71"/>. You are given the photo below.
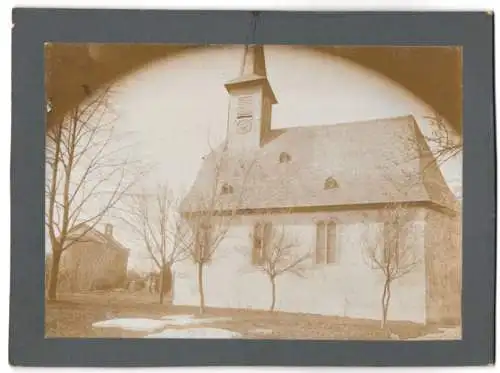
<point x="72" y="316"/>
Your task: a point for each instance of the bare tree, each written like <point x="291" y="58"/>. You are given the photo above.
<point x="70" y="75"/>
<point x="391" y="252"/>
<point x="87" y="174"/>
<point x="154" y="219"/>
<point x="274" y="252"/>
<point x="207" y="214"/>
<point x="443" y="141"/>
<point x="435" y="147"/>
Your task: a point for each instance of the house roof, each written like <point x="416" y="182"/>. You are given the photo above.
<point x="96" y="236"/>
<point x="376" y="161"/>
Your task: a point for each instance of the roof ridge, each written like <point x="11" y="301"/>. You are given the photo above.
<point x="354" y="122"/>
<point x="102" y="236"/>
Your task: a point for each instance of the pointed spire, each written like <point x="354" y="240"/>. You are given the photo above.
<point x="254" y="62"/>
<point x="253" y="70"/>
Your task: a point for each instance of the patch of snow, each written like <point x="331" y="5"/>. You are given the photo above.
<point x="394" y="336"/>
<point x="190" y="320"/>
<point x="132" y="324"/>
<point x="175" y="317"/>
<point x="261" y="331"/>
<point x="195" y="333"/>
<point x="444" y="334"/>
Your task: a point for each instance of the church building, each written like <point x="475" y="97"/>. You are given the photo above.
<point x="330" y="188"/>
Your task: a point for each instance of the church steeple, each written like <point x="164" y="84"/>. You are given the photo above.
<point x="253" y="70"/>
<point x="251" y="100"/>
<point x="254" y="62"/>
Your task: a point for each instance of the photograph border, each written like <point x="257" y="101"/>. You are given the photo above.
<point x="31" y="28"/>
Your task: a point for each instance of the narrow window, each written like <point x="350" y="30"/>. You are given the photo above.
<point x="331" y="241"/>
<point x="267" y="235"/>
<point x="261" y="237"/>
<point x="320" y="243"/>
<point x="391" y="243"/>
<point x="258" y="243"/>
<point x="326" y="242"/>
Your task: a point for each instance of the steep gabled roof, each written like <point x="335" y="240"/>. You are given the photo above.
<point x="376" y="161"/>
<point x="94" y="235"/>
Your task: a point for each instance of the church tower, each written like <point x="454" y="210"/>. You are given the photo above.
<point x="250" y="102"/>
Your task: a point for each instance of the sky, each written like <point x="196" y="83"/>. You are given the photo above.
<point x="174" y="109"/>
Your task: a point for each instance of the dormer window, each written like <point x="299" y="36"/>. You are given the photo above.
<point x="285" y="157"/>
<point x="331" y="183"/>
<point x="227" y="189"/>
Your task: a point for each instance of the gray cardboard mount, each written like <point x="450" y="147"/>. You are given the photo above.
<point x="33" y="27"/>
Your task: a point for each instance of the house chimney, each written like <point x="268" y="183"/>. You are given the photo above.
<point x="108" y="231"/>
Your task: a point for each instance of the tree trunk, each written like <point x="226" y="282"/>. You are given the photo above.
<point x="382" y="318"/>
<point x="273" y="294"/>
<point x="386" y="297"/>
<point x="387" y="301"/>
<point x="54" y="274"/>
<point x="200" y="288"/>
<point x="150" y="284"/>
<point x="162" y="284"/>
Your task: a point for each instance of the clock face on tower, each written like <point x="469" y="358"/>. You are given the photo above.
<point x="243" y="125"/>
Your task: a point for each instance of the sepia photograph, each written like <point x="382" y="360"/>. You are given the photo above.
<point x="253" y="192"/>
